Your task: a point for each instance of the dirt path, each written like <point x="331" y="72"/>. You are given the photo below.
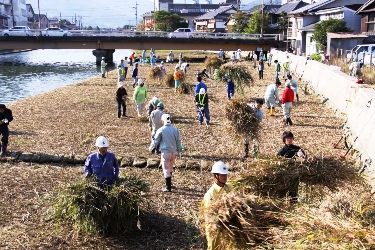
<point x="69" y="119"/>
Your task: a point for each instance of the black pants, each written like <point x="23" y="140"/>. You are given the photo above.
<point x="119" y="104"/>
<point x="260" y="74"/>
<point x="5" y="133"/>
<point x="126" y="70"/>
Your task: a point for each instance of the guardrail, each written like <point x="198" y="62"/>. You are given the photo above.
<point x="195" y="34"/>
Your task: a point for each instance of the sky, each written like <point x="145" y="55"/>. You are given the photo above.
<point x="102" y="13"/>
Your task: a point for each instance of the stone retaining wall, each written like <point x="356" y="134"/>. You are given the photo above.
<point x="353" y="103"/>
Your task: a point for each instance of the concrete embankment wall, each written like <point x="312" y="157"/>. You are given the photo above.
<point x="352" y="102"/>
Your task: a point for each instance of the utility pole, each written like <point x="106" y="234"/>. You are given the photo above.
<point x="261" y="26"/>
<point x="38" y="13"/>
<point x="154" y="16"/>
<point x="136" y="15"/>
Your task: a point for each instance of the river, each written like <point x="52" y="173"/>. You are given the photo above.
<point x="34" y="72"/>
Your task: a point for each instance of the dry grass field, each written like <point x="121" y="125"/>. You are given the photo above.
<point x="68" y="120"/>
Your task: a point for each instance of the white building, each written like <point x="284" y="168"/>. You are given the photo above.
<point x="13" y="13"/>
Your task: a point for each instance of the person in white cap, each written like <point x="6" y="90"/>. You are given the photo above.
<point x="287" y="100"/>
<point x="140" y="96"/>
<point x="168" y="137"/>
<point x="201" y="102"/>
<point x="121" y="95"/>
<point x="103" y="164"/>
<point x="220" y="186"/>
<point x="102" y="66"/>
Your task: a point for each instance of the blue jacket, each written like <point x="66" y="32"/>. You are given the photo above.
<point x="107" y="170"/>
<point x="199" y="86"/>
<point x="230" y="86"/>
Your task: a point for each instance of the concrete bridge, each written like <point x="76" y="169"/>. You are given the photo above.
<point x="104" y="46"/>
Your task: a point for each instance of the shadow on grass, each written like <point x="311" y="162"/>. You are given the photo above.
<point x="161" y="232"/>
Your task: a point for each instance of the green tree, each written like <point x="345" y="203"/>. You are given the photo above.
<point x="255" y="23"/>
<point x="65" y="22"/>
<point x="283" y="21"/>
<point x="330" y="25"/>
<point x="165" y="21"/>
<point x="240" y="21"/>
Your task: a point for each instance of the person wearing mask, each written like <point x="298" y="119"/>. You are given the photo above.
<point x="156" y="123"/>
<point x="6" y="117"/>
<point x="219" y="187"/>
<point x="103" y="164"/>
<point x="271" y="97"/>
<point x="135" y="74"/>
<point x="121" y="95"/>
<point x="201" y="102"/>
<point x="260" y="69"/>
<point x="140" y="96"/>
<point x="103" y="64"/>
<point x="168" y="137"/>
<point x="287" y="102"/>
<point x="230" y="87"/>
<point x="257" y="108"/>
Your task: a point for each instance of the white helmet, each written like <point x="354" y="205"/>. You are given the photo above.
<point x="140" y="81"/>
<point x="102" y="142"/>
<point x="220" y="168"/>
<point x="166" y="118"/>
<point x="103" y="57"/>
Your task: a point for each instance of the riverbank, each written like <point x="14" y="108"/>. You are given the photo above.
<point x="67" y="121"/>
<point x="12" y="51"/>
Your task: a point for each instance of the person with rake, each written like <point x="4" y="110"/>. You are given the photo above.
<point x="121" y="95"/>
<point x="103" y="164"/>
<point x="271" y="97"/>
<point x="201" y="102"/>
<point x="6" y="117"/>
<point x="257" y="108"/>
<point x="168" y="137"/>
<point x="220" y="186"/>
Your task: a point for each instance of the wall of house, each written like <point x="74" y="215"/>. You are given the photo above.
<point x="352" y="21"/>
<point x="342" y="44"/>
<point x="351" y="102"/>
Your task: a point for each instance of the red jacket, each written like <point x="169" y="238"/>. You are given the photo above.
<point x="288" y="96"/>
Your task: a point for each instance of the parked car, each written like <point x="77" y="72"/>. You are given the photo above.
<point x="53" y="31"/>
<point x="18" y="31"/>
<point x="181" y="33"/>
<point x="360" y="52"/>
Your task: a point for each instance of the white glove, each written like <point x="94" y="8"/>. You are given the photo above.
<point x="202" y="108"/>
<point x="300" y="153"/>
<point x="277" y="102"/>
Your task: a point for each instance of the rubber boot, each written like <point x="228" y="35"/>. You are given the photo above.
<point x="246" y="153"/>
<point x="3" y="150"/>
<point x="297" y="97"/>
<point x="290" y="122"/>
<point x="269" y="111"/>
<point x="272" y="111"/>
<point x="168" y="184"/>
<point x="255" y="151"/>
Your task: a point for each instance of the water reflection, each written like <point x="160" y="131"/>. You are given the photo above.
<point x="30" y="73"/>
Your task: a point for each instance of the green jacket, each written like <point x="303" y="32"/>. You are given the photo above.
<point x="140" y="94"/>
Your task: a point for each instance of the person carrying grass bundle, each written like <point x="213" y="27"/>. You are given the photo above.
<point x="271" y="97"/>
<point x="169" y="139"/>
<point x="103" y="164"/>
<point x="257" y="108"/>
<point x="220" y="186"/>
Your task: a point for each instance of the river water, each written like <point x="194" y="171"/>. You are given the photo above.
<point x="30" y="73"/>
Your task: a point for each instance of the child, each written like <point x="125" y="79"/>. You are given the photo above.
<point x="290" y="150"/>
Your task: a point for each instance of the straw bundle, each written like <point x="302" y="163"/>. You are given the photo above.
<point x="213" y="62"/>
<point x="242" y="117"/>
<point x="239" y="74"/>
<point x="235" y="221"/>
<point x="109" y="211"/>
<point x="184" y="87"/>
<point x="279" y="176"/>
<point x="154" y="72"/>
<point x="169" y="80"/>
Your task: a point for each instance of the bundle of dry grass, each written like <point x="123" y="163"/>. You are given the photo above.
<point x="154" y="72"/>
<point x="235" y="221"/>
<point x="239" y="73"/>
<point x="277" y="177"/>
<point x="184" y="87"/>
<point x="213" y="62"/>
<point x="105" y="211"/>
<point x="169" y="80"/>
<point x="242" y="117"/>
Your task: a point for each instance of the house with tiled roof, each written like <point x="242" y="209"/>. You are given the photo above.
<point x="42" y="19"/>
<point x="303" y="20"/>
<point x="214" y="21"/>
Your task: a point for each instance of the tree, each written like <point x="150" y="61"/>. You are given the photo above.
<point x="255" y="23"/>
<point x="330" y="25"/>
<point x="283" y="21"/>
<point x="65" y="22"/>
<point x="240" y="21"/>
<point x="165" y="21"/>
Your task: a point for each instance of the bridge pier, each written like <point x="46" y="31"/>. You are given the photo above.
<point x="107" y="53"/>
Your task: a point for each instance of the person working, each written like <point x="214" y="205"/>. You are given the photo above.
<point x="6" y="117"/>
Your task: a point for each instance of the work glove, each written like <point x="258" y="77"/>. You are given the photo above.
<point x="201" y="108"/>
<point x="196" y="103"/>
<point x="300" y="153"/>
